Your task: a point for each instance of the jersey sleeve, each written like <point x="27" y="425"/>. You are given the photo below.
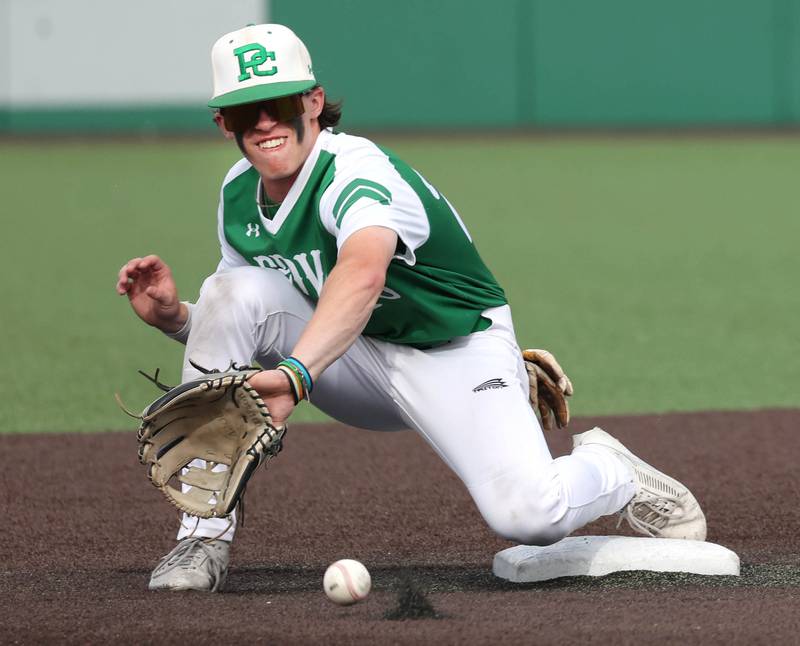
<point x="229" y="256"/>
<point x="370" y="192"/>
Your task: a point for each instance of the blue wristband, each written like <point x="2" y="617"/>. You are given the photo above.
<point x="309" y="384"/>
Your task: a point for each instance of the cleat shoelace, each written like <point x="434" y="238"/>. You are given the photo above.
<point x="190" y="554"/>
<point x="654" y="507"/>
<point x="649" y="516"/>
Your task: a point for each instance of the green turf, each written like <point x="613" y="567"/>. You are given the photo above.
<point x="662" y="273"/>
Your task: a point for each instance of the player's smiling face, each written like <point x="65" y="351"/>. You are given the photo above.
<point x="278" y="149"/>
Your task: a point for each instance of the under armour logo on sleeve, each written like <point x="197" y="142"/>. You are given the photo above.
<point x="253" y="229"/>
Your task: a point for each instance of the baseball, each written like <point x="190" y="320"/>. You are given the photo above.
<point x="346" y="581"/>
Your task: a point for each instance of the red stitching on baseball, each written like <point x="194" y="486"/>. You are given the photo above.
<point x="351" y="587"/>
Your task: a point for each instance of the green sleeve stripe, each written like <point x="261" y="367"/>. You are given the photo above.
<point x="354" y="191"/>
<point x="361" y="192"/>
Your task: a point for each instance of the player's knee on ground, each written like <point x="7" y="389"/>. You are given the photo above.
<point x="523" y="509"/>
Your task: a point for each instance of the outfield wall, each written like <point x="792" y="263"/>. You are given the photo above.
<point x="418" y="63"/>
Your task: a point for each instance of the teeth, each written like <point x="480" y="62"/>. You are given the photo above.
<point x="272" y="143"/>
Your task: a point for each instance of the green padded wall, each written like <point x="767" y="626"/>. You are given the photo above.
<point x="643" y="62"/>
<point x="555" y="62"/>
<point x="515" y="64"/>
<point x="415" y="62"/>
<point x="787" y="56"/>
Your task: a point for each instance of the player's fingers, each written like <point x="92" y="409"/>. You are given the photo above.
<point x="158" y="294"/>
<point x="553" y="407"/>
<point x="559" y="409"/>
<point x="151" y="263"/>
<point x="131" y="268"/>
<point x="547" y="361"/>
<point x="135" y="268"/>
<point x="550" y="365"/>
<point x="533" y="385"/>
<point x="546" y="416"/>
<point x="128" y="267"/>
<point x="563" y="417"/>
<point x="126" y="275"/>
<point x="122" y="283"/>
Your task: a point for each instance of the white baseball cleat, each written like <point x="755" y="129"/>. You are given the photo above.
<point x="193" y="564"/>
<point x="662" y="506"/>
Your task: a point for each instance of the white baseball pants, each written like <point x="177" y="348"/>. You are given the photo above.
<point x="489" y="437"/>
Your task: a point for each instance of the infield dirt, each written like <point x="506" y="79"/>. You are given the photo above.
<point x="83" y="528"/>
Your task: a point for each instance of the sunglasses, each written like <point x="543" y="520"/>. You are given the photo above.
<point x="238" y="118"/>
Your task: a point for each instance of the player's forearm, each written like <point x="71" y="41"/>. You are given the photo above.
<point x="345" y="305"/>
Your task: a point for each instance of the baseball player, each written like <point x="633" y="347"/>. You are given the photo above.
<point x="353" y="282"/>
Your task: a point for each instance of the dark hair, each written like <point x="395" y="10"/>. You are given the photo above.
<point x="330" y="115"/>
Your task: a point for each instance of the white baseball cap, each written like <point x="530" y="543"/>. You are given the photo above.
<point x="257" y="63"/>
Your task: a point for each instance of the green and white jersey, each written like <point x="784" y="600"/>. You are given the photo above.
<point x="437" y="286"/>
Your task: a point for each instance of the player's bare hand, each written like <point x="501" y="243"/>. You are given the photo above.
<point x="152" y="293"/>
<point x="274" y="388"/>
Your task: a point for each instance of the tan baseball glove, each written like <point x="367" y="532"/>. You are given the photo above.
<point x="219" y="419"/>
<point x="549" y="388"/>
